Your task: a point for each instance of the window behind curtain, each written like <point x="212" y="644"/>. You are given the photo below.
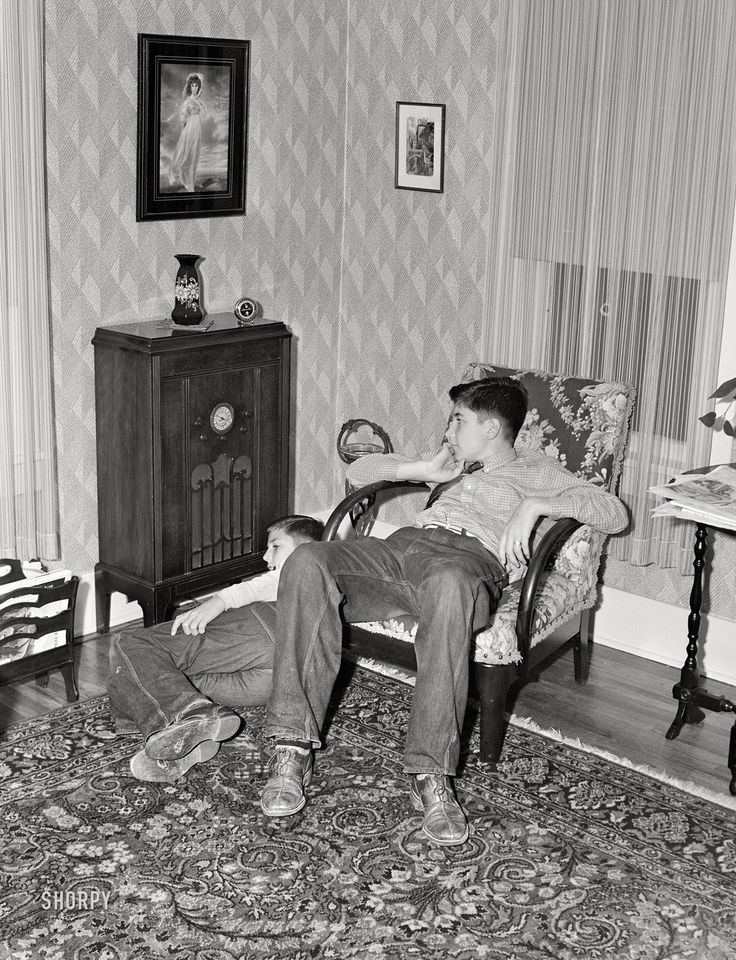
<point x="613" y="201"/>
<point x="624" y="302"/>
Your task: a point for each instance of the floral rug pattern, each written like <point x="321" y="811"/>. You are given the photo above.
<point x="569" y="855"/>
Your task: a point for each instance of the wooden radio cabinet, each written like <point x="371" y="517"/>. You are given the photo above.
<point x="193" y="457"/>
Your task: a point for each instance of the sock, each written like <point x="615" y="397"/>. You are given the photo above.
<point x="303" y="746"/>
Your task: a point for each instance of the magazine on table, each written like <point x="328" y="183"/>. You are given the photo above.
<point x="705" y="498"/>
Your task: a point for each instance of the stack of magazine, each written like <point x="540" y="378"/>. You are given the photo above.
<point x="705" y="498"/>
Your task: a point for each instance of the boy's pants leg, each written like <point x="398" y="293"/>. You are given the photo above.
<point x="450" y="583"/>
<point x="155" y="677"/>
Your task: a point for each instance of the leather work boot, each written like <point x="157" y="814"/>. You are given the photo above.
<point x="144" y="767"/>
<point x="290" y="772"/>
<point x="444" y="820"/>
<point x="193" y="727"/>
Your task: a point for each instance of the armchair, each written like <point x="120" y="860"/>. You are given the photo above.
<point x="584" y="424"/>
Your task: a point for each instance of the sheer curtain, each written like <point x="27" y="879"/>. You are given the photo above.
<point x="612" y="212"/>
<point x="28" y="497"/>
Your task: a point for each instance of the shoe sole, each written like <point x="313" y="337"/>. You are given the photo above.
<point x="419" y="807"/>
<point x="307" y="779"/>
<point x="179" y="739"/>
<point x="201" y="753"/>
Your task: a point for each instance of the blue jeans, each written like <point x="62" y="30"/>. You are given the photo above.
<point x="155" y="677"/>
<point x="449" y="582"/>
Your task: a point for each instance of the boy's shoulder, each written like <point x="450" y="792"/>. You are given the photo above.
<point x="534" y="460"/>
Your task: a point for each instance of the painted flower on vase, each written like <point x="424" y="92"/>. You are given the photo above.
<point x="186" y="292"/>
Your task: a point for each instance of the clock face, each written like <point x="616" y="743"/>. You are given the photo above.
<point x="246" y="309"/>
<point x="222" y="417"/>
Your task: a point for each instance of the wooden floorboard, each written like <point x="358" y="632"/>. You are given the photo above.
<point x="625" y="708"/>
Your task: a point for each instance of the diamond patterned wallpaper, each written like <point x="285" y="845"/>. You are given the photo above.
<point x="383" y="288"/>
<point x="108" y="269"/>
<point x="382" y="331"/>
<point x="414" y="262"/>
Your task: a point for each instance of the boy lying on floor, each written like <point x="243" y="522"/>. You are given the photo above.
<point x="176" y="687"/>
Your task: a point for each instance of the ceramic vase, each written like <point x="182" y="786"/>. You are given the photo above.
<point x="188" y="290"/>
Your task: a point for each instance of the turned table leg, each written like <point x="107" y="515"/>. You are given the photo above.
<point x="686" y="691"/>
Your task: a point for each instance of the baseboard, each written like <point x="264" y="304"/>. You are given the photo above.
<point x="85" y="619"/>
<point x="658" y="631"/>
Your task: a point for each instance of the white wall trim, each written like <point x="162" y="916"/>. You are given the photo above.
<point x="85" y="619"/>
<point x="658" y="631"/>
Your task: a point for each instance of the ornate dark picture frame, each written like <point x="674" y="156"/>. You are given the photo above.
<point x="420" y="146"/>
<point x="192" y="127"/>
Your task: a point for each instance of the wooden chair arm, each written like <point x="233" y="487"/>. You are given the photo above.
<point x="367" y="493"/>
<point x="545" y="549"/>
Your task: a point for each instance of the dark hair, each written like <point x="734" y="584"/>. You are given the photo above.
<point x="503" y="397"/>
<point x="298" y="527"/>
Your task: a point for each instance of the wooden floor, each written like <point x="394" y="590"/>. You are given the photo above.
<point x="625" y="708"/>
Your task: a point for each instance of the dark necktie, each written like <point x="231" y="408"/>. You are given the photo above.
<point x="441" y="487"/>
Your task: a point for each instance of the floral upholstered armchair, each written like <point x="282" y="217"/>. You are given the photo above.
<point x="584" y="424"/>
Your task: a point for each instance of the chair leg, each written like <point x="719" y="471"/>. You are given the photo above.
<point x="493" y="684"/>
<point x="69" y="673"/>
<point x="580" y="649"/>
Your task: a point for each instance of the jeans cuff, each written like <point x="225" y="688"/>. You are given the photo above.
<point x="291" y="733"/>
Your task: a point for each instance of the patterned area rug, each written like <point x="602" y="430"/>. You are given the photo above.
<point x="569" y="856"/>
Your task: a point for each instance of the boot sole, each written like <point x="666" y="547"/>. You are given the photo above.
<point x="179" y="739"/>
<point x="145" y="768"/>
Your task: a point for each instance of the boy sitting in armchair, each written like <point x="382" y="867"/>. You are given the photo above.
<point x="447" y="570"/>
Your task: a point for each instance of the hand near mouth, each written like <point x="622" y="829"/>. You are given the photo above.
<point x="440" y="468"/>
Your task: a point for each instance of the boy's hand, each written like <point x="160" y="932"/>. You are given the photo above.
<point x="440" y="468"/>
<point x="513" y="547"/>
<point x="196" y="620"/>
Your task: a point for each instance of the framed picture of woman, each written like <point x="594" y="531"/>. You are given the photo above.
<point x="192" y="127"/>
<point x="420" y="146"/>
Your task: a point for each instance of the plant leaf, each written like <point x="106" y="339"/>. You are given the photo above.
<point x="708" y="418"/>
<point x="726" y="391"/>
<point x="728" y="428"/>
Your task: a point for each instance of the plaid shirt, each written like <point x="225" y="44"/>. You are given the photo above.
<point x="482" y="503"/>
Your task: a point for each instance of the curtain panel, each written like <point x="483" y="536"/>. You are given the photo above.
<point x="28" y="488"/>
<point x="612" y="211"/>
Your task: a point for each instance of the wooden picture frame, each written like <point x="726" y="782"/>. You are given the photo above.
<point x="192" y="127"/>
<point x="420" y="146"/>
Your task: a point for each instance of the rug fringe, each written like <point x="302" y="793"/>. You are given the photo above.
<point x="526" y="723"/>
<point x="687" y="786"/>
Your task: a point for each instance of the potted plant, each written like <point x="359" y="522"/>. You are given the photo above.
<point x="725" y="421"/>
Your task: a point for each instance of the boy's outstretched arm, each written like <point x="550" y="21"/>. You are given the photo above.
<point x="196" y="620"/>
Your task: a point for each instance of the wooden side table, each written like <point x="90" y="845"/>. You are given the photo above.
<point x="690" y="696"/>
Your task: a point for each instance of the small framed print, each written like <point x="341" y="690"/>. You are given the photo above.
<point x="420" y="146"/>
<point x="192" y="127"/>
